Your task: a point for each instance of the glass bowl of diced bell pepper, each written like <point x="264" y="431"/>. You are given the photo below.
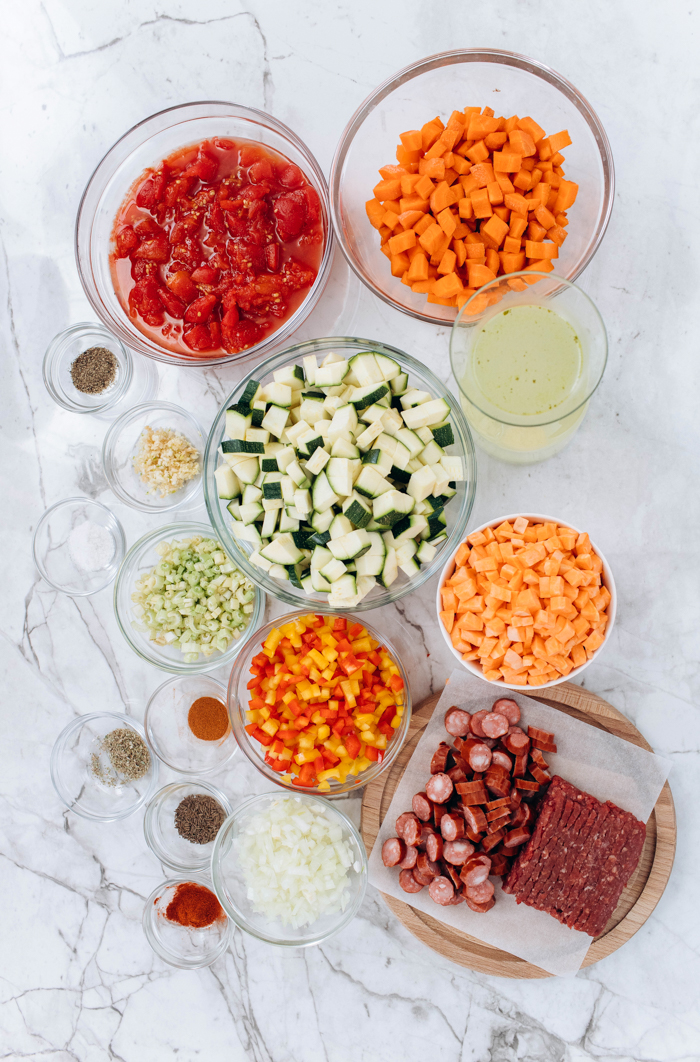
<point x="339" y="473"/>
<point x="319" y="702"/>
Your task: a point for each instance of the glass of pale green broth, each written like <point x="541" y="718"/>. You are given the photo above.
<point x="527" y="351"/>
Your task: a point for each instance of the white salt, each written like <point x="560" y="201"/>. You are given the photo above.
<point x="91" y="546"/>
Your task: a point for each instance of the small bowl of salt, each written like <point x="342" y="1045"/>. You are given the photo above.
<point x="78" y="546"/>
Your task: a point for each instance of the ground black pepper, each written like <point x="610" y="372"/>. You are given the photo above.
<point x="94" y="370"/>
<point x="198" y="818"/>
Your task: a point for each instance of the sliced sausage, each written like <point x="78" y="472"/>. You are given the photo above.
<point x="477" y="720"/>
<point x="457" y="898"/>
<point x="475" y="819"/>
<point x="409" y="860"/>
<point x="516" y="837"/>
<point x="439" y="788"/>
<point x="480" y="757"/>
<point x="502" y="759"/>
<point x="425" y="865"/>
<point x="481" y="893"/>
<point x="456" y="774"/>
<point x="438" y="811"/>
<point x="509" y="708"/>
<point x="543" y="736"/>
<point x="422" y="876"/>
<point x="453" y="874"/>
<point x="441" y="891"/>
<point x="498" y="783"/>
<point x="433" y="847"/>
<point x="452" y="826"/>
<point x="393" y="851"/>
<point x="457" y="722"/>
<point x="475" y="871"/>
<point x="499" y="866"/>
<point x="494" y="725"/>
<point x="520" y="765"/>
<point x="516" y="741"/>
<point x="408" y="883"/>
<point x="457" y="852"/>
<point x="408" y="827"/>
<point x="422" y="807"/>
<point x="439" y="760"/>
<point x="480" y="908"/>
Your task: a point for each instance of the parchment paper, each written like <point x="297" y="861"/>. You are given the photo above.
<point x="595" y="761"/>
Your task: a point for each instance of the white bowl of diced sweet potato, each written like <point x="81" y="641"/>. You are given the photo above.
<point x="527" y="601"/>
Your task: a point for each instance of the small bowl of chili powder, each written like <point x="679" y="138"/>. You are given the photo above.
<point x="185" y="924"/>
<point x="187" y="725"/>
<point x="181" y="824"/>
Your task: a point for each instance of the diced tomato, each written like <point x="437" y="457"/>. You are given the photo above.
<point x="126" y="241"/>
<point x="181" y="285"/>
<point x="290" y="176"/>
<point x="154" y="250"/>
<point x="272" y="257"/>
<point x="198" y="337"/>
<point x="151" y="191"/>
<point x="205" y="167"/>
<point x="174" y="306"/>
<point x="290" y="215"/>
<point x="262" y="171"/>
<point x="205" y="275"/>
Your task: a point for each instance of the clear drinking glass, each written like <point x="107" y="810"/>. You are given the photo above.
<point x="548" y="418"/>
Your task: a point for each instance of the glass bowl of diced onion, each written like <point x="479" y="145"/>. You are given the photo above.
<point x="437" y="85"/>
<point x="275" y="580"/>
<point x="345" y="777"/>
<point x="289" y="868"/>
<point x="232" y="607"/>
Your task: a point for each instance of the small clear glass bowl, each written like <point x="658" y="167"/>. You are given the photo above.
<point x="231" y="889"/>
<point x="168" y="731"/>
<point x="457" y="512"/>
<point x="174" y="851"/>
<point x="121" y="446"/>
<point x="147" y="144"/>
<point x="62" y="352"/>
<point x="72" y="774"/>
<point x="238" y="698"/>
<point x="514" y="84"/>
<point x="142" y="558"/>
<point x="51" y="549"/>
<point x="182" y="946"/>
<point x="574" y="674"/>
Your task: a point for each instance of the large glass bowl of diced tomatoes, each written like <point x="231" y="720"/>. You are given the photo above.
<point x="204" y="236"/>
<point x="466" y="164"/>
<point x="319" y="702"/>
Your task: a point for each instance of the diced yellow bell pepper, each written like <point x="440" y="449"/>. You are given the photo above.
<point x="264" y="713"/>
<point x="332" y="772"/>
<point x="323" y="732"/>
<point x="273" y="640"/>
<point x="270" y="726"/>
<point x="323" y="787"/>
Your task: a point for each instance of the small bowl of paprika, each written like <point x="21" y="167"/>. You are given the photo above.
<point x="185" y="924"/>
<point x="187" y="725"/>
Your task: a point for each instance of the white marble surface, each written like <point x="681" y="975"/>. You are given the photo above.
<point x="77" y="978"/>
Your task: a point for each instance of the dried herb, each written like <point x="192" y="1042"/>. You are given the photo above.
<point x="128" y="756"/>
<point x="198" y="818"/>
<point x="94" y="370"/>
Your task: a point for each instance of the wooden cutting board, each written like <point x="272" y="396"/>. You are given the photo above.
<point x="639" y="898"/>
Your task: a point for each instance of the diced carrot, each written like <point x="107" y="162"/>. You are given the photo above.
<point x="412" y="140"/>
<point x="566" y="198"/>
<point x="533" y="249"/>
<point x="447" y="262"/>
<point x="430" y="132"/>
<point x="399" y="264"/>
<point x="482" y="173"/>
<point x="413" y="202"/>
<point x="441" y="197"/>
<point x="529" y="125"/>
<point x="478" y="153"/>
<point x="460" y="251"/>
<point x="474" y="247"/>
<point x="422" y="287"/>
<point x="512" y="263"/>
<point x="545" y="218"/>
<point x="403" y="241"/>
<point x="480" y="203"/>
<point x="520" y="142"/>
<point x="431" y="238"/>
<point x="557" y="235"/>
<point x="433" y="169"/>
<point x="391" y="220"/>
<point x="535" y="232"/>
<point x="493" y="262"/>
<point x="506" y="162"/>
<point x="511" y="245"/>
<point x="418" y="269"/>
<point x="447" y="286"/>
<point x="389" y="189"/>
<point x="480" y="126"/>
<point x="391" y="171"/>
<point x="557" y="141"/>
<point x="523" y="180"/>
<point x="496" y="229"/>
<point x="479" y="275"/>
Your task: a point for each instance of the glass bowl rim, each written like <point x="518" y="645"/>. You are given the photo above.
<point x="119" y="546"/>
<point x="110" y="441"/>
<point x="459" y="322"/>
<point x="185" y="771"/>
<point x="59" y="746"/>
<point x="239" y="919"/>
<point x="370" y="773"/>
<point x="153" y="807"/>
<point x="55" y="350"/>
<point x="576" y="671"/>
<point x="146" y="921"/>
<point x="137" y="340"/>
<point x="496" y="56"/>
<point x="277" y="589"/>
<point x="174" y="667"/>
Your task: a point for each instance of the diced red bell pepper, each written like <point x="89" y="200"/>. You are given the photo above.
<point x="372" y="754"/>
<point x="263" y="737"/>
<point x="307" y="775"/>
<point x="340" y="623"/>
<point x="352" y="744"/>
<point x="355" y="631"/>
<point x="396" y="683"/>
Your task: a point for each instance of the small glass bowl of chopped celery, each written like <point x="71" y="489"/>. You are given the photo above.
<point x="320" y="867"/>
<point x="152" y="457"/>
<point x="181" y="602"/>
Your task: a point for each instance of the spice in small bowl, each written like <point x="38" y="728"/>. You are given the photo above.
<point x="182" y="822"/>
<point x="208" y="719"/>
<point x="185" y="924"/>
<point x="128" y="755"/>
<point x="94" y="370"/>
<point x="198" y="818"/>
<point x="165" y="460"/>
<point x="188" y="726"/>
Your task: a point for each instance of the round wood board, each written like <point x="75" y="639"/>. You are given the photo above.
<point x="639" y="898"/>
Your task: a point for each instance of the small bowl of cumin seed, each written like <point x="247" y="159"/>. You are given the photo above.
<point x="181" y="824"/>
<point x="102" y="768"/>
<point x="87" y="369"/>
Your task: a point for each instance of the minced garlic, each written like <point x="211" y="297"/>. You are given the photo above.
<point x="166" y="460"/>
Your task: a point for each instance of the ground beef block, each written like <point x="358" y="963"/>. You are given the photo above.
<point x="580" y="857"/>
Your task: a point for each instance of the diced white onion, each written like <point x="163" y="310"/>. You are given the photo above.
<point x="295" y="862"/>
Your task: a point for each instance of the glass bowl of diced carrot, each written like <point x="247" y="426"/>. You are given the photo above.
<point x="319" y="702"/>
<point x="526" y="601"/>
<point x="433" y="191"/>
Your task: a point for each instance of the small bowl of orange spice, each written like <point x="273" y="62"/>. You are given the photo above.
<point x="187" y="725"/>
<point x="526" y="601"/>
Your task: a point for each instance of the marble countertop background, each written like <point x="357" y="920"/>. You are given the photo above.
<point x="77" y="978"/>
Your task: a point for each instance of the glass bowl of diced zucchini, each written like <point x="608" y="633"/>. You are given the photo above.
<point x="340" y="472"/>
<point x="182" y="602"/>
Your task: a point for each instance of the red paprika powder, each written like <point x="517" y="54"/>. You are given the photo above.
<point x="193" y="905"/>
<point x="208" y="719"/>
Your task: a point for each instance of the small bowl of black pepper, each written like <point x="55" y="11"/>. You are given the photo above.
<point x="181" y="824"/>
<point x="87" y="369"/>
<point x="102" y="768"/>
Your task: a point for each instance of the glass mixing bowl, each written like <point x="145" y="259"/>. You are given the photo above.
<point x="456" y="512"/>
<point x="147" y="144"/>
<point x="439" y="84"/>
